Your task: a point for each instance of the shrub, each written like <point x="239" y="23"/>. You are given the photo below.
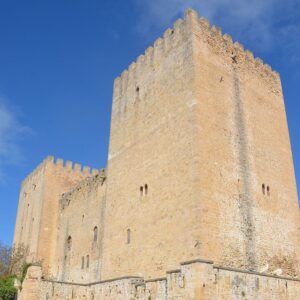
<point x="24" y="271"/>
<point x="7" y="289"/>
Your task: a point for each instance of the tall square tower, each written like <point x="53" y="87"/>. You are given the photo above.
<point x="37" y="218"/>
<point x="200" y="162"/>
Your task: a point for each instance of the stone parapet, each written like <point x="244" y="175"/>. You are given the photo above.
<point x="197" y="279"/>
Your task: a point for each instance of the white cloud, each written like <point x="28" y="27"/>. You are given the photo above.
<point x="256" y="21"/>
<point x="11" y="132"/>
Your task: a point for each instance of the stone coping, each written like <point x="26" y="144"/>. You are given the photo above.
<point x="173" y="271"/>
<point x="96" y="282"/>
<point x="255" y="273"/>
<point x="156" y="279"/>
<point x="206" y="261"/>
<point x="218" y="267"/>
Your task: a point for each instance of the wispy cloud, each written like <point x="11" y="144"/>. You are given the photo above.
<point x="11" y="133"/>
<point x="261" y="22"/>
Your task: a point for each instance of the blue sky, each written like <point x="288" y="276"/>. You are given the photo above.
<point x="58" y="60"/>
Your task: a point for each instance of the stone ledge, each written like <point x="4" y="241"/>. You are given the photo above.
<point x="255" y="273"/>
<point x="173" y="271"/>
<point x="218" y="267"/>
<point x="156" y="279"/>
<point x="96" y="282"/>
<point x="196" y="261"/>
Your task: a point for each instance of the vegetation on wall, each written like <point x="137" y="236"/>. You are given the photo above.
<point x="24" y="271"/>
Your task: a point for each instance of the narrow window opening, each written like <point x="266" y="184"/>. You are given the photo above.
<point x="141" y="190"/>
<point x="172" y="31"/>
<point x="146" y="189"/>
<point x="128" y="236"/>
<point x="263" y="188"/>
<point x="82" y="262"/>
<point x="34" y="186"/>
<point x="69" y="243"/>
<point x="87" y="261"/>
<point x="82" y="218"/>
<point x="137" y="89"/>
<point x="95" y="234"/>
<point x="268" y="190"/>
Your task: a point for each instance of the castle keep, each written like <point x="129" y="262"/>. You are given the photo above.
<point x="198" y="199"/>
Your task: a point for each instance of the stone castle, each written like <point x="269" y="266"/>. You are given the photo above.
<point x="198" y="199"/>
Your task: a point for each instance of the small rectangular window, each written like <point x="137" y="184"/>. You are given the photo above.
<point x="128" y="236"/>
<point x="87" y="261"/>
<point x="82" y="262"/>
<point x="95" y="233"/>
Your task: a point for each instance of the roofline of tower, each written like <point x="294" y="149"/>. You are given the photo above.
<point x="192" y="19"/>
<point x="60" y="163"/>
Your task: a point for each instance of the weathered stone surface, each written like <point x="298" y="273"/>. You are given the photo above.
<point x="81" y="218"/>
<point x="38" y="211"/>
<point x="199" y="166"/>
<point x="196" y="280"/>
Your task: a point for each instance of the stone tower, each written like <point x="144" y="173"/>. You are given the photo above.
<point x="198" y="199"/>
<point x="200" y="162"/>
<point x="37" y="217"/>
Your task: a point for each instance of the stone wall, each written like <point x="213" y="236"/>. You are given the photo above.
<point x="199" y="165"/>
<point x="36" y="224"/>
<point x="28" y="220"/>
<point x="31" y="286"/>
<point x="80" y="232"/>
<point x="247" y="191"/>
<point x="201" y="123"/>
<point x="195" y="280"/>
<point x="153" y="167"/>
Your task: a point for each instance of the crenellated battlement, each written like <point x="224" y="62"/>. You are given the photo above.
<point x="76" y="167"/>
<point x="183" y="29"/>
<point x="37" y="171"/>
<point x="153" y="55"/>
<point x="67" y="166"/>
<point x="235" y="49"/>
<point x="224" y="43"/>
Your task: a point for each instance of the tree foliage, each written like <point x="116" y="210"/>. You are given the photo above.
<point x="7" y="289"/>
<point x="12" y="265"/>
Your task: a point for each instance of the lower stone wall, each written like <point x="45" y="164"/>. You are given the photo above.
<point x="195" y="280"/>
<point x="31" y="284"/>
<point x="118" y="289"/>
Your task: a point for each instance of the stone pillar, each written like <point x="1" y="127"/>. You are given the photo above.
<point x="31" y="284"/>
<point x="192" y="281"/>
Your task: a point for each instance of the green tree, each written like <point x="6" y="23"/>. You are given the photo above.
<point x="7" y="289"/>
